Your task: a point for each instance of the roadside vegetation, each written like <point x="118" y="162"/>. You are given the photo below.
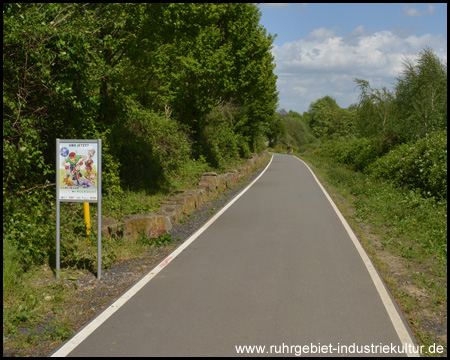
<point x="174" y="90"/>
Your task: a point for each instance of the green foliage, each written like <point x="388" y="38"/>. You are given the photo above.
<point x="130" y="202"/>
<point x="23" y="160"/>
<point x="11" y="268"/>
<point x="169" y="88"/>
<point x="395" y="135"/>
<point x="199" y="57"/>
<point x="161" y="240"/>
<point x="111" y="186"/>
<point x="218" y="141"/>
<point x="150" y="148"/>
<point x="293" y="130"/>
<point x="326" y="119"/>
<point x="416" y="107"/>
<point x="357" y="153"/>
<point x="376" y="114"/>
<point x="421" y="95"/>
<point x="276" y="130"/>
<point x="420" y="165"/>
<point x="51" y="72"/>
<point x="321" y="119"/>
<point x="29" y="232"/>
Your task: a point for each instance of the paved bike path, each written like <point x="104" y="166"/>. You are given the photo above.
<point x="276" y="268"/>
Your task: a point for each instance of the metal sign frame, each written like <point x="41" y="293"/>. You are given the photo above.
<point x="73" y="185"/>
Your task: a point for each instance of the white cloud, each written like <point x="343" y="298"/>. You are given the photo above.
<point x="321" y="33"/>
<point x="413" y="12"/>
<point x="325" y="64"/>
<point x="359" y="31"/>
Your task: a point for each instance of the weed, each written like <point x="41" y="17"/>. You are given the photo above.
<point x="57" y="331"/>
<point x="387" y="242"/>
<point x="161" y="240"/>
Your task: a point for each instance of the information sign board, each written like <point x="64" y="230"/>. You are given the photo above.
<point x="78" y="179"/>
<point x="78" y="171"/>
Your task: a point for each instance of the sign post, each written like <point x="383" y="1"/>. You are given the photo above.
<point x="78" y="179"/>
<point x="87" y="217"/>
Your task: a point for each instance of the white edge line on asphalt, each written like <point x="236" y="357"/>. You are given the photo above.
<point x="399" y="326"/>
<point x="100" y="319"/>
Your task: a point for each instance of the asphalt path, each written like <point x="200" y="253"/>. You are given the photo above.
<point x="277" y="269"/>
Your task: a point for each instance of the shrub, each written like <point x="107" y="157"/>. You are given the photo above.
<point x="31" y="233"/>
<point x="149" y="147"/>
<point x="421" y="165"/>
<point x="218" y="140"/>
<point x="357" y="153"/>
<point x="243" y="146"/>
<point x="368" y="151"/>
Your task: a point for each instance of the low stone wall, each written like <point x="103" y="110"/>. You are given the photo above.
<point x="179" y="205"/>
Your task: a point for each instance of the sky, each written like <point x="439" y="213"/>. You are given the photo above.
<point x="321" y="48"/>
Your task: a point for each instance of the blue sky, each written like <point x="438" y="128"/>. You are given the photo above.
<point x="320" y="48"/>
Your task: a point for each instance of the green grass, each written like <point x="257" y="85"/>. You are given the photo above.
<point x="415" y="226"/>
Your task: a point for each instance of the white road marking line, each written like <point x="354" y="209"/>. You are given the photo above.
<point x="100" y="319"/>
<point x="399" y="326"/>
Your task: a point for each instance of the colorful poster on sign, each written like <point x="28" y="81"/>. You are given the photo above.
<point x="78" y="167"/>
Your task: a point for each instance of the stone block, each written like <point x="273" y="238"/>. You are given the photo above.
<point x="172" y="209"/>
<point x="150" y="225"/>
<point x="110" y="226"/>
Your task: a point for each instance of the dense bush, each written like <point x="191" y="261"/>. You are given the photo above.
<point x="219" y="142"/>
<point x="29" y="232"/>
<point x="419" y="165"/>
<point x="292" y="130"/>
<point x="149" y="147"/>
<point x="357" y="153"/>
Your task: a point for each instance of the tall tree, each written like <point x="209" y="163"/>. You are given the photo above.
<point x="421" y="95"/>
<point x="321" y="116"/>
<point x="376" y="113"/>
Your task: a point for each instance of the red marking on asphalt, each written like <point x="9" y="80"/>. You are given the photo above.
<point x="165" y="262"/>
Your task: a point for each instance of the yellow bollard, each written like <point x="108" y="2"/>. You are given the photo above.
<point x="87" y="218"/>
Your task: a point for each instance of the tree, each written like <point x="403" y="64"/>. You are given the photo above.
<point x="294" y="130"/>
<point x="376" y="115"/>
<point x="326" y="119"/>
<point x="344" y="122"/>
<point x="277" y="130"/>
<point x="417" y="106"/>
<point x="190" y="59"/>
<point x="421" y="95"/>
